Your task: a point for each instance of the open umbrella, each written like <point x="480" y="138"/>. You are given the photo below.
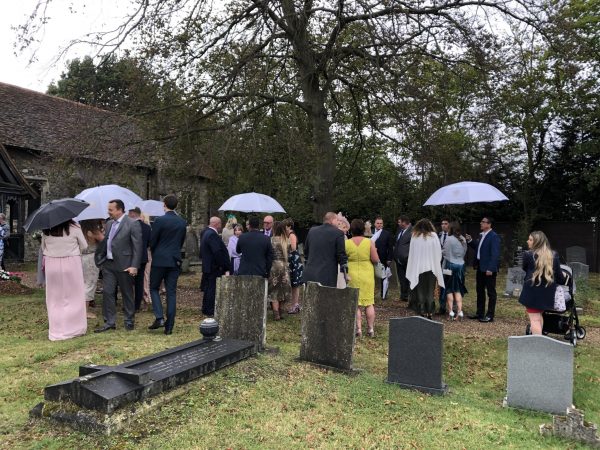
<point x="252" y="202"/>
<point x="99" y="196"/>
<point x="153" y="208"/>
<point x="465" y="192"/>
<point x="54" y="213"/>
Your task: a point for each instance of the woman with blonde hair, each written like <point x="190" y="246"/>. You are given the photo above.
<point x="424" y="268"/>
<point x="542" y="273"/>
<point x="344" y="226"/>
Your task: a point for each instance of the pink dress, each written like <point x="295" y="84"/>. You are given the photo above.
<point x="65" y="289"/>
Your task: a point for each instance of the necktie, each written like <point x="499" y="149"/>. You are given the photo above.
<point x="444" y="239"/>
<point x="111" y="235"/>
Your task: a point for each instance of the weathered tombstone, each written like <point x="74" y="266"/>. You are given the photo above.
<point x="514" y="281"/>
<point x="415" y="354"/>
<point x="241" y="308"/>
<point x="580" y="271"/>
<point x="540" y="374"/>
<point x="576" y="254"/>
<point x="328" y="321"/>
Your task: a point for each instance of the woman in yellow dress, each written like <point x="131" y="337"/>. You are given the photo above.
<point x="362" y="254"/>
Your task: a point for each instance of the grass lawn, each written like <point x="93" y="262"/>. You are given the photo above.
<point x="273" y="401"/>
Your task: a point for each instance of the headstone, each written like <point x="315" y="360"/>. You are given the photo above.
<point x="415" y="354"/>
<point x="190" y="245"/>
<point x="328" y="321"/>
<point x="580" y="271"/>
<point x="241" y="308"/>
<point x="518" y="257"/>
<point x="576" y="254"/>
<point x="540" y="374"/>
<point x="514" y="281"/>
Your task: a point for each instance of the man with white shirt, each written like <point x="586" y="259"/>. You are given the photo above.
<point x="384" y="243"/>
<point x="401" y="250"/>
<point x="487" y="262"/>
<point x="443" y="235"/>
<point x="268" y="226"/>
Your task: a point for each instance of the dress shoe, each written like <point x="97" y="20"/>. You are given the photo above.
<point x="129" y="326"/>
<point x="168" y="331"/>
<point x="105" y="328"/>
<point x="158" y="323"/>
<point x="474" y="317"/>
<point x="486" y="319"/>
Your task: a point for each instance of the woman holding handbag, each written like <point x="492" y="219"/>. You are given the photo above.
<point x="542" y="273"/>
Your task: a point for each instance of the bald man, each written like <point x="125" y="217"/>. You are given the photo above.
<point x="268" y="226"/>
<point x="215" y="262"/>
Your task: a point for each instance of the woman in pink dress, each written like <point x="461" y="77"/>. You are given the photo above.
<point x="65" y="290"/>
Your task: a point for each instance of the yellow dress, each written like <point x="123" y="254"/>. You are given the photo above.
<point x="360" y="269"/>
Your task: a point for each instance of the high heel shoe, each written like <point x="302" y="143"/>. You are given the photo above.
<point x="460" y="315"/>
<point x="358" y="334"/>
<point x="371" y="333"/>
<point x="276" y="315"/>
<point x="451" y="315"/>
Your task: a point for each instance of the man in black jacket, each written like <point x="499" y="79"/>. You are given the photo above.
<point x="215" y="263"/>
<point x="401" y="249"/>
<point x="384" y="243"/>
<point x="256" y="250"/>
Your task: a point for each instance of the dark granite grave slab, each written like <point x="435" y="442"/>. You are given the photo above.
<point x="415" y="354"/>
<point x="241" y="308"/>
<point x="106" y="388"/>
<point x="328" y="321"/>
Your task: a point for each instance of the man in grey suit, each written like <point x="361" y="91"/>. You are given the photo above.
<point x="401" y="249"/>
<point x="324" y="249"/>
<point x="119" y="256"/>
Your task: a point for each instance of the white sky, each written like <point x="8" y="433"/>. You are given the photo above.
<point x="64" y="25"/>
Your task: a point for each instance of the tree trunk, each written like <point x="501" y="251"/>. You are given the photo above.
<point x="323" y="178"/>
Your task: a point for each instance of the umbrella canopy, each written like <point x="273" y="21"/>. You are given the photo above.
<point x="465" y="192"/>
<point x="99" y="196"/>
<point x="54" y="213"/>
<point x="252" y="202"/>
<point x="152" y="207"/>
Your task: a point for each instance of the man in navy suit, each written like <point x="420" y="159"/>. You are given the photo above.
<point x="384" y="243"/>
<point x="168" y="236"/>
<point x="136" y="214"/>
<point x="401" y="250"/>
<point x="487" y="262"/>
<point x="256" y="250"/>
<point x="215" y="263"/>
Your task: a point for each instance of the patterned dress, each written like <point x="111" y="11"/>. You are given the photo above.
<point x="296" y="267"/>
<point x="279" y="278"/>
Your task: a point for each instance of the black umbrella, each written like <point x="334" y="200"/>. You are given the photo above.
<point x="54" y="213"/>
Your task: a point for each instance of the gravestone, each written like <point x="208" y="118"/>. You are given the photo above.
<point x="514" y="281"/>
<point x="241" y="308"/>
<point x="415" y="354"/>
<point x="518" y="260"/>
<point x="576" y="254"/>
<point x="540" y="374"/>
<point x="327" y="328"/>
<point x="190" y="248"/>
<point x="580" y="271"/>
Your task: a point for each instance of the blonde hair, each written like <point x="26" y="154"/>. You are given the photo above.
<point x="544" y="261"/>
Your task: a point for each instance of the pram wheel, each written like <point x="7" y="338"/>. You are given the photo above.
<point x="580" y="332"/>
<point x="528" y="330"/>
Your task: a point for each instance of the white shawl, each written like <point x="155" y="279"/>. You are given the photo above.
<point x="424" y="255"/>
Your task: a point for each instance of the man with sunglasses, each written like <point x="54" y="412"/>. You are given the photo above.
<point x="487" y="262"/>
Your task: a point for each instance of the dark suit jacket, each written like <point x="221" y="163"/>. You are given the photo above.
<point x="489" y="253"/>
<point x="542" y="296"/>
<point x="402" y="246"/>
<point x="385" y="246"/>
<point x="168" y="236"/>
<point x="324" y="249"/>
<point x="257" y="254"/>
<point x="215" y="257"/>
<point x="126" y="244"/>
<point x="146" y="234"/>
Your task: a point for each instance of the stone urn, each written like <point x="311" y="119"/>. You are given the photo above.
<point x="209" y="328"/>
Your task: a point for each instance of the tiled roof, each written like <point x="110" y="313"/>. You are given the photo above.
<point x="41" y="122"/>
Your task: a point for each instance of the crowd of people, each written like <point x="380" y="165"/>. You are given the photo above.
<point x="137" y="260"/>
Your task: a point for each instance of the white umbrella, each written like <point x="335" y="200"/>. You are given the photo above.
<point x="99" y="196"/>
<point x="153" y="208"/>
<point x="252" y="202"/>
<point x="465" y="192"/>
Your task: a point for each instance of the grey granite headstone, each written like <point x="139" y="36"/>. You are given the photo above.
<point x="415" y="354"/>
<point x="190" y="245"/>
<point x="514" y="281"/>
<point x="576" y="254"/>
<point x="241" y="308"/>
<point x="328" y="321"/>
<point x="540" y="374"/>
<point x="580" y="271"/>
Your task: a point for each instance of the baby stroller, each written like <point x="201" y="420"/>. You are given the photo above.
<point x="564" y="322"/>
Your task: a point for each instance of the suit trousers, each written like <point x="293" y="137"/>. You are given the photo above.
<point x="112" y="278"/>
<point x="209" y="287"/>
<point x="403" y="281"/>
<point x="139" y="286"/>
<point x="485" y="283"/>
<point x="170" y="275"/>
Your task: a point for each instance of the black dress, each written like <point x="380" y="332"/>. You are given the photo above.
<point x="541" y="296"/>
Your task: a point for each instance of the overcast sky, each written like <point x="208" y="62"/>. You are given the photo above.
<point x="64" y="25"/>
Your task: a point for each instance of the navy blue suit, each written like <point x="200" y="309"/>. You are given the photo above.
<point x="489" y="261"/>
<point x="215" y="262"/>
<point x="257" y="254"/>
<point x="139" y="278"/>
<point x="168" y="236"/>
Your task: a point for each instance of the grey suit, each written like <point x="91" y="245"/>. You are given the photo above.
<point x="324" y="249"/>
<point x="127" y="250"/>
<point x="401" y="249"/>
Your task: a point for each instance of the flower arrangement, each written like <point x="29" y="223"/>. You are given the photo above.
<point x="10" y="276"/>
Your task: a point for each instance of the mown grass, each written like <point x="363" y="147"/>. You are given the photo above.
<point x="274" y="401"/>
